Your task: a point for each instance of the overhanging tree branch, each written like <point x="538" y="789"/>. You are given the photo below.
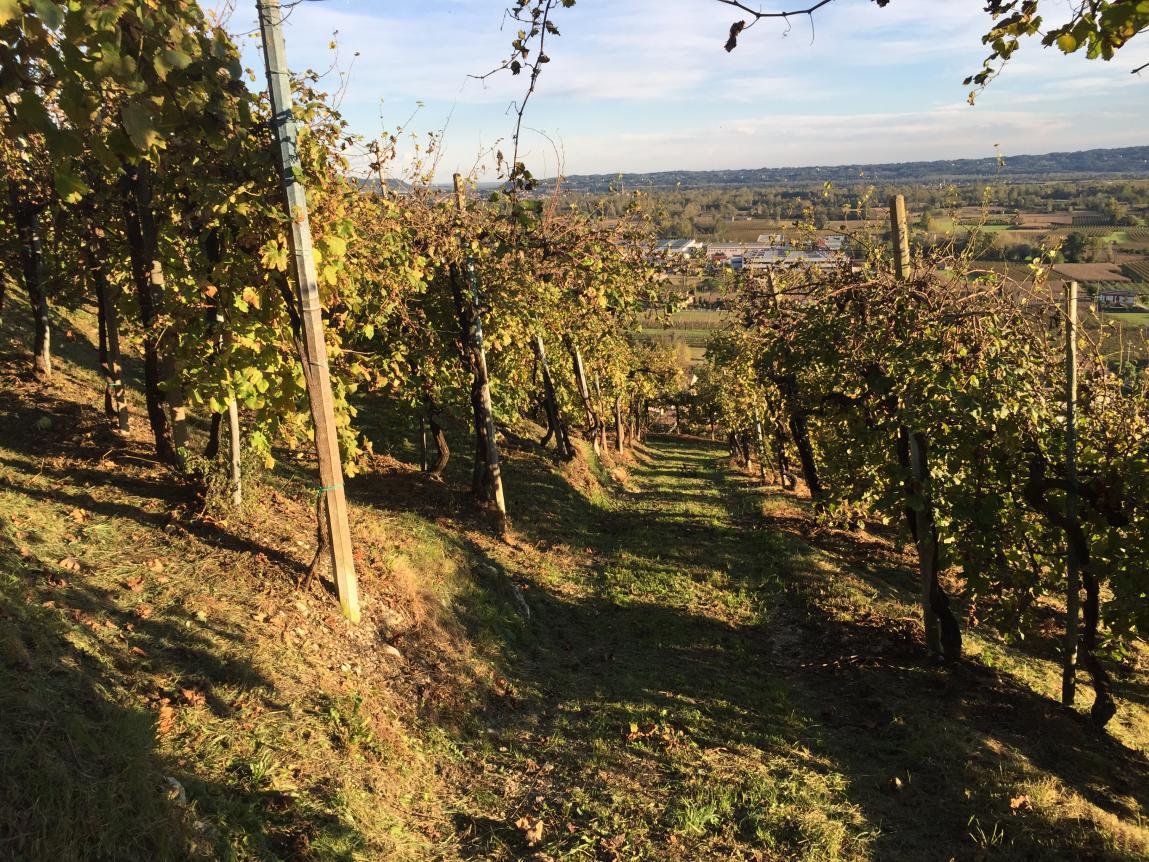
<point x="758" y="15"/>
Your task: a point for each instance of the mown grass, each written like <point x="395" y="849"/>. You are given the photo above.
<point x="977" y="762"/>
<point x="647" y="729"/>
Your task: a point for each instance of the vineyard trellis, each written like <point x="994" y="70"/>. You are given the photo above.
<point x="909" y="391"/>
<point x="131" y="138"/>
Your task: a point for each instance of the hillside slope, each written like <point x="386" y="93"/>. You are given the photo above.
<point x="662" y="661"/>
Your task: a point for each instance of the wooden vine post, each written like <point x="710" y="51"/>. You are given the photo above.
<point x="900" y="237"/>
<point x="484" y="409"/>
<point x="311" y="309"/>
<point x="583" y="390"/>
<point x="1073" y="577"/>
<point x="235" y="448"/>
<point x="761" y="445"/>
<point x="619" y="431"/>
<point x="924" y="535"/>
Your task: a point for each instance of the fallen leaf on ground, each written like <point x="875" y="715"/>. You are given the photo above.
<point x="192" y="697"/>
<point x="167" y="715"/>
<point x="69" y="564"/>
<point x="532" y="829"/>
<point x="1020" y="803"/>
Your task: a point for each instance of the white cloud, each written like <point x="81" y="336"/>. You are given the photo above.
<point x="645" y="85"/>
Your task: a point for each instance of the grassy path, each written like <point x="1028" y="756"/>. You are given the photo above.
<point x="650" y="724"/>
<point x="712" y="678"/>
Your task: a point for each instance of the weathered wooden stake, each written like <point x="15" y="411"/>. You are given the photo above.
<point x="311" y="309"/>
<point x="27" y="219"/>
<point x="423" y="460"/>
<point x="583" y="388"/>
<point x="601" y="436"/>
<point x="486" y="417"/>
<point x="115" y="400"/>
<point x="148" y="281"/>
<point x="900" y="240"/>
<point x="761" y="441"/>
<point x="1073" y="577"/>
<point x="619" y="431"/>
<point x="235" y="443"/>
<point x="550" y="401"/>
<point x="900" y="237"/>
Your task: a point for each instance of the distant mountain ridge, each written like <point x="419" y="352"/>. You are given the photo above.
<point x="1123" y="162"/>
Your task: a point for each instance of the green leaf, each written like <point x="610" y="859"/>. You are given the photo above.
<point x="48" y="12"/>
<point x="140" y="126"/>
<point x="168" y="61"/>
<point x="69" y="187"/>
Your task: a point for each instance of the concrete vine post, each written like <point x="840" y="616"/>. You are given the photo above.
<point x="1073" y="577"/>
<point x="311" y="310"/>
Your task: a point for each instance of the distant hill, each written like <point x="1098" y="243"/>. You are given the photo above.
<point x="1125" y="162"/>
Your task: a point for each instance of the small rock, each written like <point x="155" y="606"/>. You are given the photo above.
<point x="201" y="616"/>
<point x="391" y="651"/>
<point x="205" y="830"/>
<point x="175" y="791"/>
<point x="393" y="623"/>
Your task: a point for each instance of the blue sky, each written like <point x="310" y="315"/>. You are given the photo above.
<point x="644" y="85"/>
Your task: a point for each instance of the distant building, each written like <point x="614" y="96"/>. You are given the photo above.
<point x="1116" y="296"/>
<point x="757" y="256"/>
<point x="682" y="247"/>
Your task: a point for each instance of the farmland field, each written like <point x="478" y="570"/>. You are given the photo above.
<point x="1090" y="271"/>
<point x="692" y="329"/>
<point x="1132" y="318"/>
<point x="1138" y="271"/>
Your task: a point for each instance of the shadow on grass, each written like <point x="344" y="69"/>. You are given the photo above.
<point x="94" y="682"/>
<point x="968" y="743"/>
<point x="82" y="777"/>
<point x="621" y="680"/>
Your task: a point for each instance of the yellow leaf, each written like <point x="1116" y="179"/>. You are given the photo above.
<point x="335" y="246"/>
<point x="9" y="9"/>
